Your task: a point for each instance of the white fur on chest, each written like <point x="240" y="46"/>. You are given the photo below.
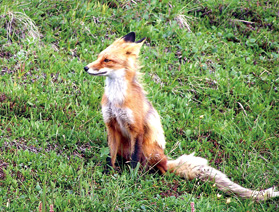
<point x="116" y="87"/>
<point x="115" y="91"/>
<point x="123" y="116"/>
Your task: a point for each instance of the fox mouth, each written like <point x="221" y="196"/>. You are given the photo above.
<point x="97" y="73"/>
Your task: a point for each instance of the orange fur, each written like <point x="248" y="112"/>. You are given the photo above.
<point x="132" y="134"/>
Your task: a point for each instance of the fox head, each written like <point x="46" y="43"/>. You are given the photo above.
<point x="119" y="57"/>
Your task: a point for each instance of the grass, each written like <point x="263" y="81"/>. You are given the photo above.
<point x="211" y="69"/>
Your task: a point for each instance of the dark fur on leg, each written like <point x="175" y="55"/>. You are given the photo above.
<point x="108" y="165"/>
<point x="119" y="165"/>
<point x="136" y="155"/>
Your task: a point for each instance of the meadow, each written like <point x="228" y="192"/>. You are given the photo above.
<point x="210" y="68"/>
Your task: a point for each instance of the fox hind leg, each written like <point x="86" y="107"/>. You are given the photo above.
<point x="162" y="165"/>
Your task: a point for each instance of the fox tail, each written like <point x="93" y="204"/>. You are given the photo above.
<point x="191" y="167"/>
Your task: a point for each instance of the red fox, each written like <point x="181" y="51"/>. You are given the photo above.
<point x="133" y="125"/>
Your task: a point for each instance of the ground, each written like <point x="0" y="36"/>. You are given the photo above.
<point x="210" y="68"/>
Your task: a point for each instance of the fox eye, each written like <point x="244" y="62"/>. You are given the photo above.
<point x="106" y="60"/>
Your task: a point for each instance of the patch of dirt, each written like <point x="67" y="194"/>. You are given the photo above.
<point x="82" y="149"/>
<point x="2" y="97"/>
<point x="218" y="152"/>
<point x="3" y="165"/>
<point x="20" y="144"/>
<point x="19" y="108"/>
<point x="211" y="83"/>
<point x="5" y="54"/>
<point x="241" y="14"/>
<point x="11" y="105"/>
<point x="6" y="70"/>
<point x="243" y="20"/>
<point x="172" y="191"/>
<point x="54" y="147"/>
<point x="20" y="176"/>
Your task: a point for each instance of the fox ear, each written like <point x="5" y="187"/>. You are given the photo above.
<point x="134" y="48"/>
<point x="130" y="37"/>
<point x="141" y="40"/>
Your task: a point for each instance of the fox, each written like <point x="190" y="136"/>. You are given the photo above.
<point x="133" y="125"/>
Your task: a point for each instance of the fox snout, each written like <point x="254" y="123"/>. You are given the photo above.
<point x="95" y="71"/>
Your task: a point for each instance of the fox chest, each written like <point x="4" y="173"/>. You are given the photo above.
<point x="122" y="116"/>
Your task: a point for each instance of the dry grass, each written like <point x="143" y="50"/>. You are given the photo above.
<point x="20" y="25"/>
<point x="182" y="22"/>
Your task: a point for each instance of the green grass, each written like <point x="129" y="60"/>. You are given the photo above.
<point x="216" y="89"/>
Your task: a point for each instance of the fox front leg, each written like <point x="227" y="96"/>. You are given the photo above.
<point x="108" y="161"/>
<point x="114" y="144"/>
<point x="136" y="149"/>
<point x="108" y="164"/>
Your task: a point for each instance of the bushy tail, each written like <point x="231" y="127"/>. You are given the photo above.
<point x="190" y="167"/>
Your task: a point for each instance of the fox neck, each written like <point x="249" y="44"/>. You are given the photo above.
<point x="116" y="87"/>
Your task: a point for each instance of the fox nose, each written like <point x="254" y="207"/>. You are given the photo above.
<point x="86" y="68"/>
